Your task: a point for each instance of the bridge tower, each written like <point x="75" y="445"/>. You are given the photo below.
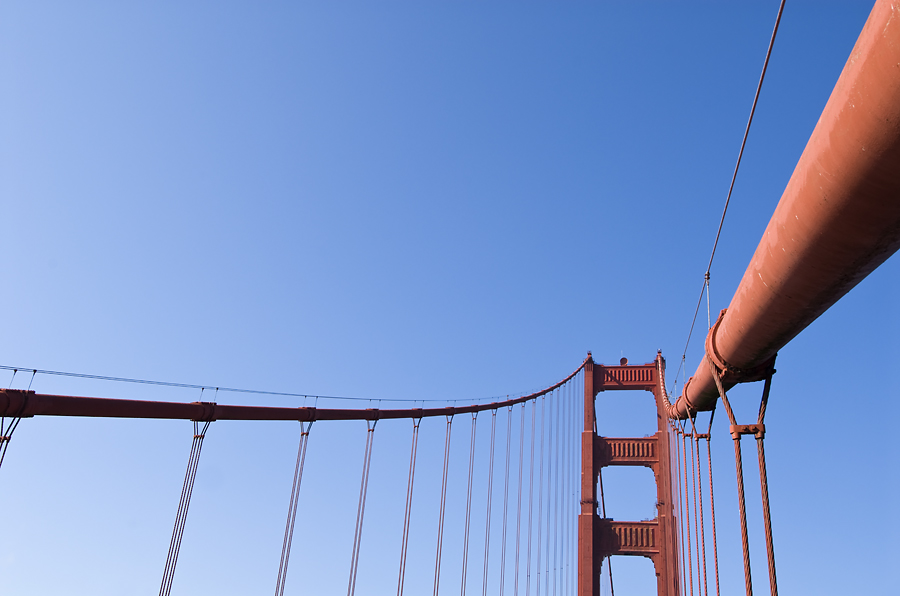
<point x="598" y="537"/>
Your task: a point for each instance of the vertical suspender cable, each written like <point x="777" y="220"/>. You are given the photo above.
<point x="739" y="472"/>
<point x="550" y="487"/>
<point x="490" y="486"/>
<point x="712" y="501"/>
<point x="465" y="559"/>
<point x="694" y="471"/>
<point x="612" y="589"/>
<point x="677" y="467"/>
<point x="687" y="513"/>
<point x="556" y="489"/>
<point x="361" y="507"/>
<point x="292" y="509"/>
<point x="440" y="531"/>
<point x="564" y="507"/>
<point x="699" y="483"/>
<point x="406" y="515"/>
<point x="505" y="501"/>
<point x="564" y="559"/>
<point x="764" y="487"/>
<point x="184" y="502"/>
<point x="519" y="497"/>
<point x="573" y="499"/>
<point x="7" y="430"/>
<point x="676" y="503"/>
<point x="540" y="518"/>
<point x="530" y="501"/>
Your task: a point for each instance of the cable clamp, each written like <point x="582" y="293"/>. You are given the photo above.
<point x="758" y="430"/>
<point x="209" y="411"/>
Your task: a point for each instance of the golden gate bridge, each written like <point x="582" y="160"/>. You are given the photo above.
<point x="838" y="220"/>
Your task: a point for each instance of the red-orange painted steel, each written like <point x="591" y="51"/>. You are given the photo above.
<point x="599" y="538"/>
<point x="838" y="219"/>
<point x="25" y="404"/>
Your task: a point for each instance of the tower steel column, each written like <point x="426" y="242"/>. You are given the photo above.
<point x="598" y="537"/>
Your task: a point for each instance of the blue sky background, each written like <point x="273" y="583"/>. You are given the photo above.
<point x="405" y="201"/>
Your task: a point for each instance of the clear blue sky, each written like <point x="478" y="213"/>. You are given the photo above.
<point x="403" y="201"/>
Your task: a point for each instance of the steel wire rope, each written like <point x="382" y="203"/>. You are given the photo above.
<point x="519" y="498"/>
<point x="556" y="486"/>
<point x="505" y="502"/>
<point x="292" y="509"/>
<point x="125" y="408"/>
<point x="698" y="481"/>
<point x="694" y="471"/>
<point x="361" y="507"/>
<point x="687" y="512"/>
<point x="490" y="487"/>
<point x="177" y="385"/>
<point x="737" y="165"/>
<point x="676" y="502"/>
<point x="573" y="490"/>
<point x="465" y="559"/>
<point x="764" y="484"/>
<point x="540" y="519"/>
<point x="184" y="502"/>
<point x="576" y="466"/>
<point x="712" y="500"/>
<point x="530" y="501"/>
<point x="6" y="431"/>
<point x="572" y="474"/>
<point x="550" y="487"/>
<point x="680" y="517"/>
<point x="556" y="490"/>
<point x="440" y="531"/>
<point x="739" y="473"/>
<point x="608" y="559"/>
<point x="401" y="581"/>
<point x="564" y="490"/>
<point x="564" y="559"/>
